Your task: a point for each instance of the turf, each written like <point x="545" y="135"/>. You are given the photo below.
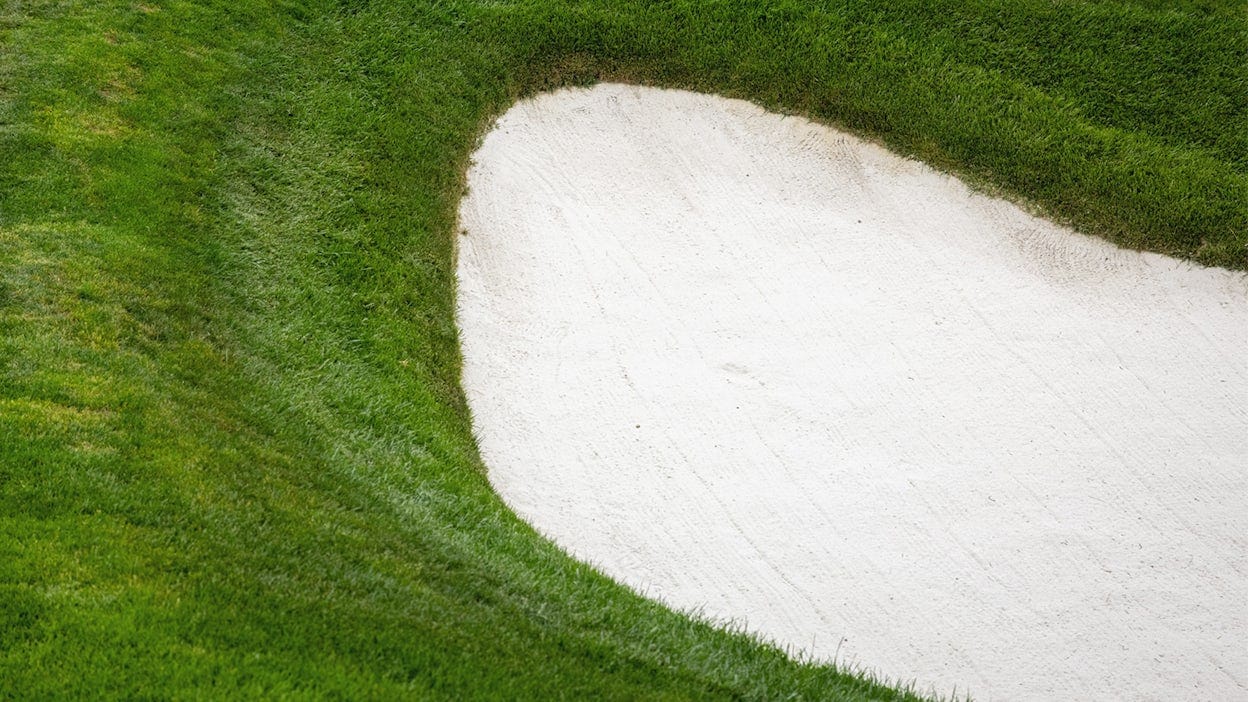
<point x="234" y="457"/>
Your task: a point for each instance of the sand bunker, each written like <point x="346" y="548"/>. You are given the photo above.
<point x="757" y="367"/>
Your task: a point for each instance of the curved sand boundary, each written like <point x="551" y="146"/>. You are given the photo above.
<point x="754" y="366"/>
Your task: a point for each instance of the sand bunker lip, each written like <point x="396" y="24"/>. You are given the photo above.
<point x="755" y="366"/>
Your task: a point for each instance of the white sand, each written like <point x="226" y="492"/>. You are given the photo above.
<point x="758" y="367"/>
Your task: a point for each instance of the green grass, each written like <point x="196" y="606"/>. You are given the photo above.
<point x="234" y="457"/>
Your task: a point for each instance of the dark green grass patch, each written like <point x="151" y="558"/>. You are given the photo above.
<point x="234" y="457"/>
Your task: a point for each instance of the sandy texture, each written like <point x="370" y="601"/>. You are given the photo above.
<point x="760" y="368"/>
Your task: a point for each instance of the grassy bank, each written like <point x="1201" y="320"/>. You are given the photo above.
<point x="234" y="458"/>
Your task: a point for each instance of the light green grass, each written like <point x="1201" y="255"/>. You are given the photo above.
<point x="234" y="457"/>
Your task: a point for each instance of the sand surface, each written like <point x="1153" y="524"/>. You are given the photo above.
<point x="760" y="368"/>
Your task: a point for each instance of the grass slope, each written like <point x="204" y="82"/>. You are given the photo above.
<point x="234" y="458"/>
